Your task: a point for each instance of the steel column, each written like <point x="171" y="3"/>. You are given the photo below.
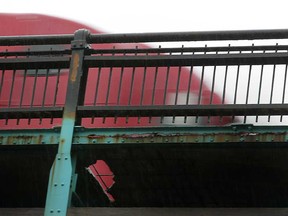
<point x="59" y="187"/>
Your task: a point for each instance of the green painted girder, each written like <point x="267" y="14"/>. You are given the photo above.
<point x="141" y="135"/>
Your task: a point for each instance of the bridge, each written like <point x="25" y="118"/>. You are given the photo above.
<point x="188" y="119"/>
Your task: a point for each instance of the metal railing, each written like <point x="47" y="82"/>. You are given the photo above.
<point x="214" y="84"/>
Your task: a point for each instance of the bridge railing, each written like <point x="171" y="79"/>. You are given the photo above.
<point x="125" y="81"/>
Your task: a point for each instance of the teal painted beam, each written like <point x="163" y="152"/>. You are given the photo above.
<point x="60" y="186"/>
<point x="139" y="135"/>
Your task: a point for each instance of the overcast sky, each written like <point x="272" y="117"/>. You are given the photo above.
<point x="123" y="16"/>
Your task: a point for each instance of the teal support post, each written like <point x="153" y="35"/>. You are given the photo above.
<point x="60" y="185"/>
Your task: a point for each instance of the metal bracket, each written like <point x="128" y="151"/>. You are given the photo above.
<point x="80" y="39"/>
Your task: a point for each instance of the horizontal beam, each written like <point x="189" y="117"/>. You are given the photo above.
<point x="33" y="62"/>
<point x="31" y="112"/>
<point x="148" y="37"/>
<point x="148" y="61"/>
<point x="183" y="110"/>
<point x="187" y="60"/>
<point x="152" y="135"/>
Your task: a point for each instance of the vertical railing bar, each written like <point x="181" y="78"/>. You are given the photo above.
<point x="225" y="77"/>
<point x="166" y="84"/>
<point x="109" y="81"/>
<point x="284" y="89"/>
<point x="2" y="82"/>
<point x="201" y="80"/>
<point x="56" y="87"/>
<point x="155" y="80"/>
<point x="272" y="84"/>
<point x="201" y="85"/>
<point x="97" y="86"/>
<point x="213" y="83"/>
<point x="189" y="84"/>
<point x="34" y="87"/>
<point x="45" y="87"/>
<point x="132" y="80"/>
<point x="236" y="86"/>
<point x="3" y="74"/>
<point x="249" y="79"/>
<point x="188" y="92"/>
<point x="120" y="83"/>
<point x="143" y="84"/>
<point x="178" y="80"/>
<point x="260" y="86"/>
<point x="248" y="85"/>
<point x="23" y="87"/>
<point x="131" y="86"/>
<point x="12" y="88"/>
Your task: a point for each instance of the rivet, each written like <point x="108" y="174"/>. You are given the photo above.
<point x="66" y="158"/>
<point x="94" y="141"/>
<point x="51" y="211"/>
<point x="55" y="185"/>
<point x="122" y="140"/>
<point x="59" y="158"/>
<point x="62" y="184"/>
<point x="58" y="210"/>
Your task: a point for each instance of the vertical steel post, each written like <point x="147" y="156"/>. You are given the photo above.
<point x="59" y="186"/>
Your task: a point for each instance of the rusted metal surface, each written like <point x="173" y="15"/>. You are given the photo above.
<point x="162" y="135"/>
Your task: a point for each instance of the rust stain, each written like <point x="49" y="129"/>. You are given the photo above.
<point x="189" y="137"/>
<point x="69" y="115"/>
<point x="62" y="141"/>
<point x="39" y="141"/>
<point x="75" y="67"/>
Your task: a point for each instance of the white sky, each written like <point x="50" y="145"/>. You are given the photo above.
<point x="123" y="16"/>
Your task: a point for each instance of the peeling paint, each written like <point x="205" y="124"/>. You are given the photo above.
<point x="75" y="67"/>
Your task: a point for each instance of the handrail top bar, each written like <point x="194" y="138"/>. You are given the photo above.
<point x="147" y="37"/>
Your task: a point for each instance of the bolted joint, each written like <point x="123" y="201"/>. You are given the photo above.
<point x="81" y="37"/>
